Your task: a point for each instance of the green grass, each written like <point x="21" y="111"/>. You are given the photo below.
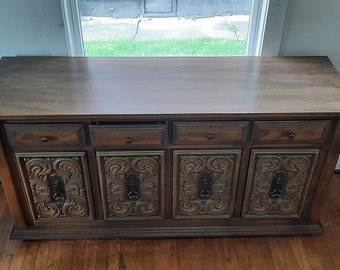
<point x="190" y="47"/>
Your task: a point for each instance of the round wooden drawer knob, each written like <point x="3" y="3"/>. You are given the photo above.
<point x="128" y="140"/>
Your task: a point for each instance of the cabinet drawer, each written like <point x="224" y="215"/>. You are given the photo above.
<point x="128" y="136"/>
<point x="290" y="131"/>
<point x="45" y="135"/>
<point x="209" y="132"/>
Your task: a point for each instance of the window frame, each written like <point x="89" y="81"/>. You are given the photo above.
<point x="73" y="31"/>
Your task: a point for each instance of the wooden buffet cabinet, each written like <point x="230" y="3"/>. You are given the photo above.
<point x="167" y="147"/>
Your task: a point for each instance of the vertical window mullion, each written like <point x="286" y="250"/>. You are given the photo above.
<point x="74" y="36"/>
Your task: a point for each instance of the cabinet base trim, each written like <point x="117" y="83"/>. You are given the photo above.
<point x="168" y="232"/>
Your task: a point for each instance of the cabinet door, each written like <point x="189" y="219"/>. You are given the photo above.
<point x="205" y="183"/>
<point x="132" y="183"/>
<point x="57" y="185"/>
<point x="278" y="182"/>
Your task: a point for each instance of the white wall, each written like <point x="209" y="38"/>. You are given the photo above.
<point x="312" y="27"/>
<point x="31" y="27"/>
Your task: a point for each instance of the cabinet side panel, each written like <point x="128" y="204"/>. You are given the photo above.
<point x="326" y="174"/>
<point x="10" y="193"/>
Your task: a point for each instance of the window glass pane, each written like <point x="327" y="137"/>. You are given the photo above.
<point x="165" y="27"/>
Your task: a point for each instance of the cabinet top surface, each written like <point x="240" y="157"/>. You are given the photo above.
<point x="60" y="86"/>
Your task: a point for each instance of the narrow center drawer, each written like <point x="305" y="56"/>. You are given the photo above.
<point x="290" y="131"/>
<point x="45" y="135"/>
<point x="129" y="136"/>
<point x="210" y="133"/>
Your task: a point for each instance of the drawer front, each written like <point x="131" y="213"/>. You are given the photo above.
<point x="129" y="136"/>
<point x="209" y="133"/>
<point x="290" y="131"/>
<point x="45" y="135"/>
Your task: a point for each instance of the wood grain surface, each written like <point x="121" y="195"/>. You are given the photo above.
<point x="47" y="86"/>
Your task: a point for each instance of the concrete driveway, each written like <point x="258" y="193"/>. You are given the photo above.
<point x="106" y="28"/>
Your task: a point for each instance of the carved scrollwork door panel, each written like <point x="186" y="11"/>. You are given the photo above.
<point x="278" y="182"/>
<point x="205" y="183"/>
<point x="57" y="185"/>
<point x="132" y="184"/>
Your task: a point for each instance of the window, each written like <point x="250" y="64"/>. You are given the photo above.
<point x="168" y="27"/>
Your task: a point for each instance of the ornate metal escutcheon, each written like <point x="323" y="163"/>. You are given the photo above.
<point x="132" y="186"/>
<point x="205" y="185"/>
<point x="279" y="182"/>
<point x="57" y="188"/>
